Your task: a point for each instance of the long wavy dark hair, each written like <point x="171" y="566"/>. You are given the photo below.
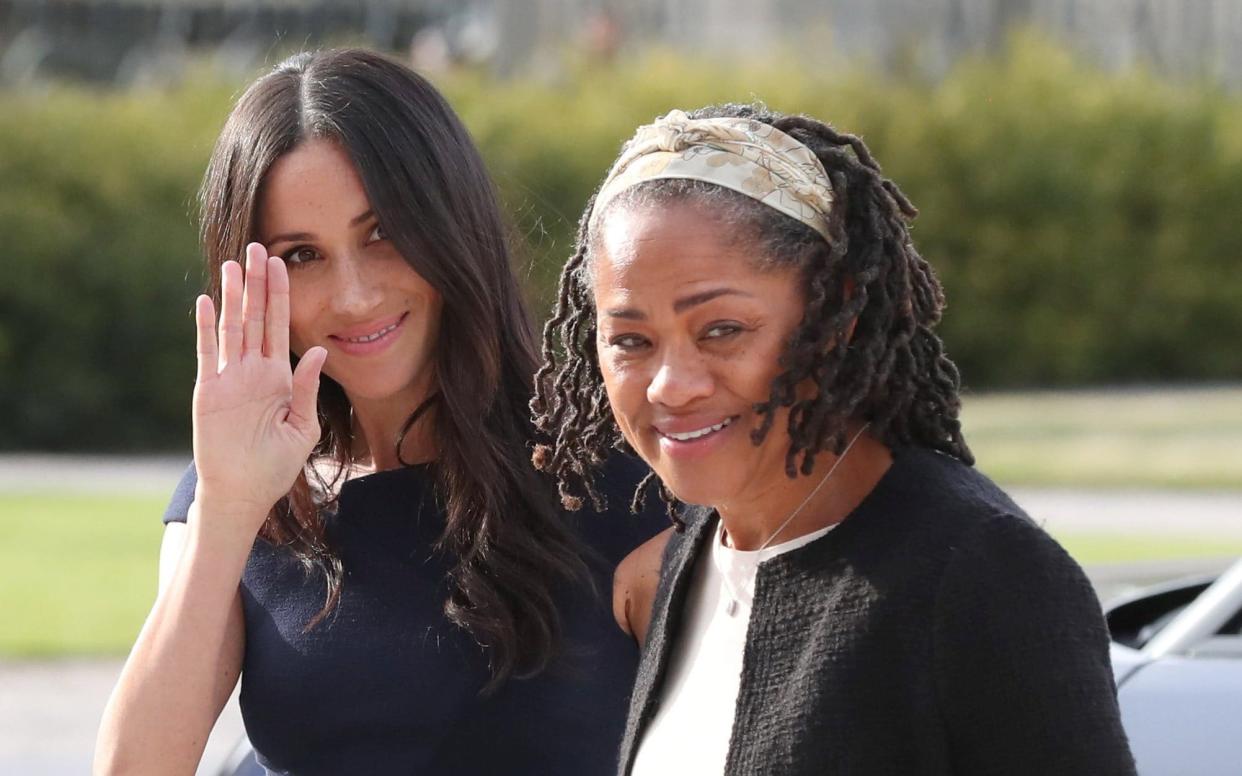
<point x="893" y="373"/>
<point x="428" y="187"/>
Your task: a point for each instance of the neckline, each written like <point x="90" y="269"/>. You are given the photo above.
<point x="771" y="551"/>
<point x="902" y="457"/>
<point x="364" y="482"/>
<point x="382" y="474"/>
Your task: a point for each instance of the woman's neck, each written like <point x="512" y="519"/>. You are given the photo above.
<point x="755" y="524"/>
<point x="377" y="426"/>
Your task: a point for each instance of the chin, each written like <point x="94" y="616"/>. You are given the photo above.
<point x="703" y="489"/>
<point x="374" y="388"/>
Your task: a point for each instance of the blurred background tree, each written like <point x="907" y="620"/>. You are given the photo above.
<point x="1080" y="180"/>
<point x="1078" y="165"/>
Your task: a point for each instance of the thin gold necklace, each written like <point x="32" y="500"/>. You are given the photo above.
<point x="732" y="606"/>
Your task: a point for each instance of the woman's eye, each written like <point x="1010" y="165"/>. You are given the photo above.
<point x="301" y="255"/>
<point x="719" y="330"/>
<point x="377" y="233"/>
<point x="627" y="342"/>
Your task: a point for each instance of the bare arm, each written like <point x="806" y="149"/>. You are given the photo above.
<point x="634" y="585"/>
<point x="171" y="552"/>
<point x="184" y="664"/>
<point x="254" y="426"/>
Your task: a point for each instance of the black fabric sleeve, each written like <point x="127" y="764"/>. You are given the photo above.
<point x="1022" y="659"/>
<point x="182" y="497"/>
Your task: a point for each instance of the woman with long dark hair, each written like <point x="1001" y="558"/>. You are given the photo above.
<point x="747" y="312"/>
<point x="363" y="539"/>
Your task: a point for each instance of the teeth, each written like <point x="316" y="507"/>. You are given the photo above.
<point x="375" y="336"/>
<point x="686" y="437"/>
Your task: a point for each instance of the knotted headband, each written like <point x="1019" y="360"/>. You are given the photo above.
<point x="744" y="155"/>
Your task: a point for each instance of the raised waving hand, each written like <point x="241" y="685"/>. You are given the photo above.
<point x="255" y="418"/>
<point x="254" y="426"/>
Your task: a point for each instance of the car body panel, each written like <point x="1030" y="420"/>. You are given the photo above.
<point x="1183" y="716"/>
<point x="1177" y="660"/>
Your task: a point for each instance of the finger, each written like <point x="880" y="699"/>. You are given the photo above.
<point x="230" y="313"/>
<point x="205" y="318"/>
<point x="254" y="299"/>
<point x="302" y="413"/>
<point x="277" y="339"/>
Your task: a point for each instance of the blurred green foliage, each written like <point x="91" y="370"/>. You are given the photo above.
<point x="96" y="342"/>
<point x="1085" y="224"/>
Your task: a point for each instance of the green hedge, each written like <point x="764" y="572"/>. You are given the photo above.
<point x="100" y="267"/>
<point x="1085" y="224"/>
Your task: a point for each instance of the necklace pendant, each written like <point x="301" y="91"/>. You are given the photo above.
<point x="731" y="607"/>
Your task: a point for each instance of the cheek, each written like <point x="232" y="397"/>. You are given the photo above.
<point x="435" y="307"/>
<point x="609" y="373"/>
<point x="626" y="389"/>
<point x="749" y="374"/>
<point x="425" y="312"/>
<point x="400" y="275"/>
<point x="302" y="314"/>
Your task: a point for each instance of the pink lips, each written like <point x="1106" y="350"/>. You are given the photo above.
<point x="369" y="338"/>
<point x="699" y="445"/>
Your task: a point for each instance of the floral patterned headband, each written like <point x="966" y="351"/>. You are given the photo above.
<point x="744" y="155"/>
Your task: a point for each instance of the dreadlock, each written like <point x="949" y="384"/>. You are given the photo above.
<point x="892" y="370"/>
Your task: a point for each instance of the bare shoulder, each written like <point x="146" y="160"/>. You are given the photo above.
<point x="634" y="585"/>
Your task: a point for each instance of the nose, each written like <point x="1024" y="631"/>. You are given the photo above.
<point x="357" y="291"/>
<point x="681" y="378"/>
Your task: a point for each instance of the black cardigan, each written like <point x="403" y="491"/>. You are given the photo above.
<point x="937" y="630"/>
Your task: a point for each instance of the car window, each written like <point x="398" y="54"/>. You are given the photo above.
<point x="1233" y="627"/>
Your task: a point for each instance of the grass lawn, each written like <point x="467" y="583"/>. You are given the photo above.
<point x="77" y="572"/>
<point x="1169" y="438"/>
<point x="1093" y="549"/>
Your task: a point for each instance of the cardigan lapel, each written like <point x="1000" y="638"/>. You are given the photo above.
<point x="666" y="615"/>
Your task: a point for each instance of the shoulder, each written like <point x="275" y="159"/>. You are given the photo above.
<point x="635" y="582"/>
<point x="1010" y="550"/>
<point x="943" y="531"/>
<point x="1020" y="655"/>
<point x="926" y="503"/>
<point x="182" y="497"/>
<point x="1008" y="581"/>
<point x="992" y="550"/>
<point x="928" y="479"/>
<point x="647" y="579"/>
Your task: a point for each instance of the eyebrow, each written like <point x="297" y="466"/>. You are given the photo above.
<point x="300" y="236"/>
<point x="680" y="305"/>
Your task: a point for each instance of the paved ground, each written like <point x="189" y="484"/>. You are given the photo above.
<point x="49" y="714"/>
<point x="91" y="474"/>
<point x="49" y="711"/>
<point x="1150" y="513"/>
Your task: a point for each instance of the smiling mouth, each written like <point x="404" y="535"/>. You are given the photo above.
<point x="373" y="336"/>
<point x="690" y="436"/>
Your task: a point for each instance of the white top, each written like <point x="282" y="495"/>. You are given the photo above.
<point x="690" y="732"/>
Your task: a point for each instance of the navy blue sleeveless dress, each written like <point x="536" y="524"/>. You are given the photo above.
<point x="386" y="685"/>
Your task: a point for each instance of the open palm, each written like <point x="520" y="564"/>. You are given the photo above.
<point x="254" y="417"/>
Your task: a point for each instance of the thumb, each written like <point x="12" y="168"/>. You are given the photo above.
<point x="306" y="388"/>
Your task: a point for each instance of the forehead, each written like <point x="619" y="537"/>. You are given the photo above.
<point x="314" y="184"/>
<point x="651" y="249"/>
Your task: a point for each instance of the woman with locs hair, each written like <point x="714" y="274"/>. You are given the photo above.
<point x="370" y="549"/>
<point x="746" y="311"/>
